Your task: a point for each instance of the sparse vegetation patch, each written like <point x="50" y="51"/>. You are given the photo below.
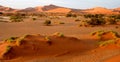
<point x="59" y="34"/>
<point x="47" y="22"/>
<point x="8" y="48"/>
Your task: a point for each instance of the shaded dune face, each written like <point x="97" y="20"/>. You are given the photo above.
<point x="32" y="45"/>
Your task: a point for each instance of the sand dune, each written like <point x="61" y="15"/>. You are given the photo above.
<point x="99" y="10"/>
<point x="54" y="8"/>
<point x="114" y="59"/>
<point x="59" y="10"/>
<point x="30" y="45"/>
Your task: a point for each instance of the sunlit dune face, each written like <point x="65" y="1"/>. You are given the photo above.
<point x="60" y="10"/>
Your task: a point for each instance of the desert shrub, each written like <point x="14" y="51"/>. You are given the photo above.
<point x="88" y="15"/>
<point x="96" y="21"/>
<point x="114" y="16"/>
<point x="71" y="15"/>
<point x="34" y="19"/>
<point x="59" y="34"/>
<point x="47" y="38"/>
<point x="100" y="19"/>
<point x="16" y="18"/>
<point x="117" y="16"/>
<point x="47" y="22"/>
<point x="1" y="13"/>
<point x="61" y="23"/>
<point x="42" y="15"/>
<point x="105" y="43"/>
<point x="77" y="20"/>
<point x="8" y="48"/>
<point x="98" y="15"/>
<point x="110" y="21"/>
<point x="93" y="22"/>
<point x="84" y="23"/>
<point x="20" y="40"/>
<point x="93" y="15"/>
<point x="115" y="33"/>
<point x="117" y="20"/>
<point x="74" y="15"/>
<point x="11" y="39"/>
<point x="100" y="33"/>
<point x="116" y="27"/>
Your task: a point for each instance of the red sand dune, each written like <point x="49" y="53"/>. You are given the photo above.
<point x="113" y="59"/>
<point x="60" y="10"/>
<point x="40" y="46"/>
<point x="99" y="10"/>
<point x="39" y="9"/>
<point x="54" y="8"/>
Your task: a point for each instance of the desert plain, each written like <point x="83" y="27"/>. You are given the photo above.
<point x="70" y="37"/>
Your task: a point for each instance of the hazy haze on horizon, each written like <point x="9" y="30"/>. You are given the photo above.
<point x="78" y="4"/>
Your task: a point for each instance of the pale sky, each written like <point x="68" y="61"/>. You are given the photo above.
<point x="78" y="4"/>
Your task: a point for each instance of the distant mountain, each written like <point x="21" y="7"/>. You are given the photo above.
<point x="30" y="9"/>
<point x="7" y="9"/>
<point x="47" y="8"/>
<point x="58" y="9"/>
<point x="50" y="7"/>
